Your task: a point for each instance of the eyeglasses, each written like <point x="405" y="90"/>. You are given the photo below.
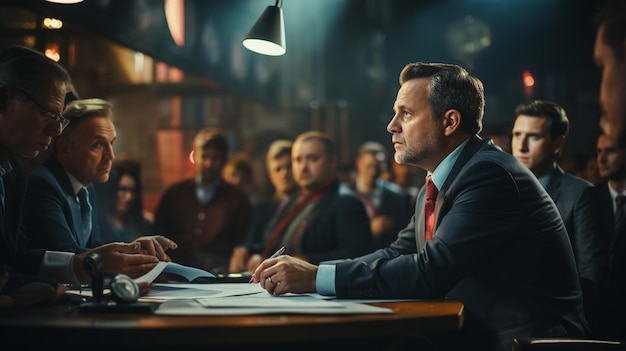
<point x="56" y="118"/>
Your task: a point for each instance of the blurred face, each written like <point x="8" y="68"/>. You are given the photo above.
<point x="87" y="153"/>
<point x="279" y="171"/>
<point x="368" y="168"/>
<point x="612" y="89"/>
<point x="233" y="176"/>
<point x="417" y="137"/>
<point x="532" y="144"/>
<point x="126" y="193"/>
<point x="209" y="163"/>
<point x="313" y="168"/>
<point x="611" y="159"/>
<point x="25" y="128"/>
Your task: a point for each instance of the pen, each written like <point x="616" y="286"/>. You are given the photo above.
<point x="276" y="254"/>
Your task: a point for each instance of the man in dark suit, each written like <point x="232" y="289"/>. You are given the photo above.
<point x="499" y="244"/>
<point x="82" y="155"/>
<point x="539" y="133"/>
<point x="611" y="158"/>
<point x="32" y="94"/>
<point x="388" y="208"/>
<point x="324" y="220"/>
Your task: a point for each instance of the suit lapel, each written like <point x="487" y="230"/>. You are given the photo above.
<point x="554" y="185"/>
<point x="70" y="198"/>
<point x="419" y="219"/>
<point x="472" y="146"/>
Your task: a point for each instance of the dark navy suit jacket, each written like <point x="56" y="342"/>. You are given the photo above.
<point x="15" y="254"/>
<point x="577" y="202"/>
<point x="53" y="219"/>
<point x="499" y="246"/>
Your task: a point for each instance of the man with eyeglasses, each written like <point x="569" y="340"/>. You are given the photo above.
<point x="61" y="198"/>
<point x="32" y="95"/>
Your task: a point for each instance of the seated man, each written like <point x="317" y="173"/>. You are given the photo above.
<point x="485" y="232"/>
<point x="324" y="220"/>
<point x="56" y="217"/>
<point x="388" y="208"/>
<point x="206" y="216"/>
<point x="32" y="92"/>
<point x="539" y="134"/>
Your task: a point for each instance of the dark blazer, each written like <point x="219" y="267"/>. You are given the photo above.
<point x="499" y="246"/>
<point x="612" y="325"/>
<point x="338" y="227"/>
<point x="15" y="254"/>
<point x="577" y="202"/>
<point x="52" y="214"/>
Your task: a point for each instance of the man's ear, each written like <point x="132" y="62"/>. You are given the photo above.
<point x="557" y="144"/>
<point x="451" y="121"/>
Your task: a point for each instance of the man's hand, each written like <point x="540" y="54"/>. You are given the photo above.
<point x="122" y="258"/>
<point x="156" y="245"/>
<point x="286" y="274"/>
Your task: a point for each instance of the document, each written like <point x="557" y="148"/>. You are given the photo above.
<point x="162" y="292"/>
<point x="189" y="273"/>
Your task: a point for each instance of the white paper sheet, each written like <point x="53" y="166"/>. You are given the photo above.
<point x="163" y="292"/>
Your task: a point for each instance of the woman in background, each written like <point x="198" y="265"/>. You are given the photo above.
<point x="120" y="205"/>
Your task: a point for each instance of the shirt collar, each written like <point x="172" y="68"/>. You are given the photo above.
<point x="441" y="173"/>
<point x="76" y="185"/>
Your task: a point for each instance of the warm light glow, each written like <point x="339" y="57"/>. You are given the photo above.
<point x="175" y="17"/>
<point x="528" y="79"/>
<point x="52" y="52"/>
<point x="191" y="159"/>
<point x="65" y="1"/>
<point x="52" y="23"/>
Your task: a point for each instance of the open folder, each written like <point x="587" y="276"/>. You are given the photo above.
<point x="189" y="274"/>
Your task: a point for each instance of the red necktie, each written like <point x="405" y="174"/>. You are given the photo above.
<point x="429" y="208"/>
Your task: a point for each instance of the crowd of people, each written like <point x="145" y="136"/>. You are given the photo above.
<point x="529" y="249"/>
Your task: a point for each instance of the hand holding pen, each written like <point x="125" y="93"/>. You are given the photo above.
<point x="276" y="254"/>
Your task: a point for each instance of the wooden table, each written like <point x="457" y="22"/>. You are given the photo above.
<point x="62" y="326"/>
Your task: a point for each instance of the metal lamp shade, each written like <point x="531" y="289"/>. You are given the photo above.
<point x="267" y="37"/>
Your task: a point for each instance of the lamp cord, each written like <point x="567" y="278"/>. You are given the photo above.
<point x="278" y="1"/>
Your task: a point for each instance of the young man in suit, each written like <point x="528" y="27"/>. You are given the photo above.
<point x="32" y="95"/>
<point x="538" y="136"/>
<point x="82" y="155"/>
<point x="498" y="244"/>
<point x="611" y="158"/>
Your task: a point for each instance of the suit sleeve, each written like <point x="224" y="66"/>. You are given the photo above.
<point x="478" y="211"/>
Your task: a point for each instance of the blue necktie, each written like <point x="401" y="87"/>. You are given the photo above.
<point x="85" y="212"/>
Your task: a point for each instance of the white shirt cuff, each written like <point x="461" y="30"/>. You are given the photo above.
<point x="59" y="266"/>
<point x="325" y="280"/>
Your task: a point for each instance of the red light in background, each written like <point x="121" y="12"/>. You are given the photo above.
<point x="528" y="79"/>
